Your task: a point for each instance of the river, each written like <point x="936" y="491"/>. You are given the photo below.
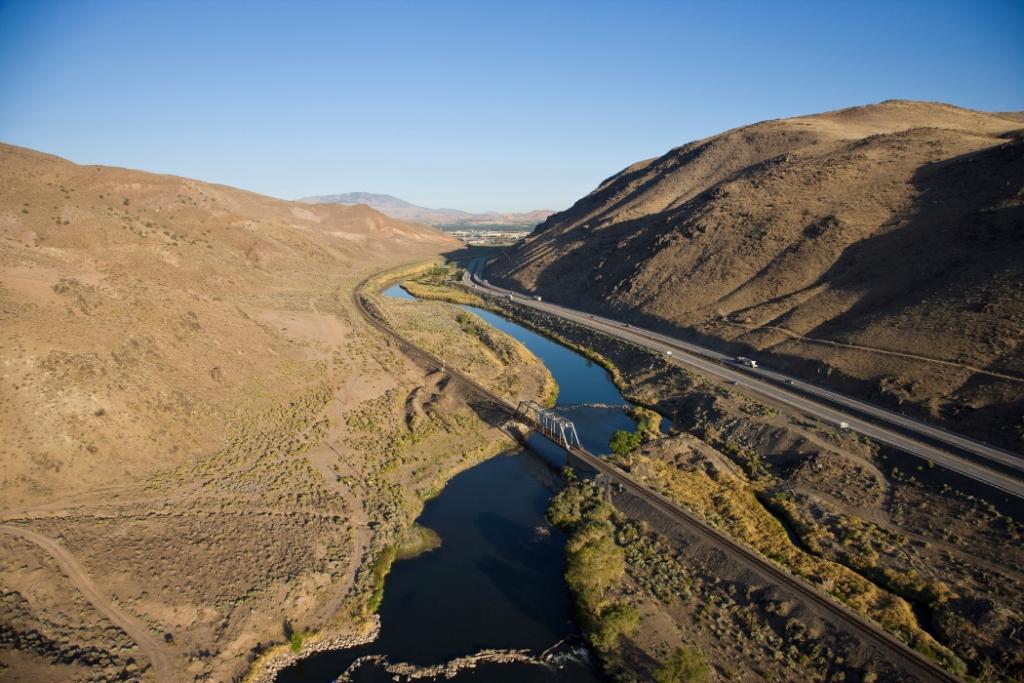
<point x="496" y="581"/>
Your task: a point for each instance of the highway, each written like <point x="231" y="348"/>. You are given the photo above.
<point x="884" y="426"/>
<point x="893" y="649"/>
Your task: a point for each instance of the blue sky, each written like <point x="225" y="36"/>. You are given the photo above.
<point x="474" y="105"/>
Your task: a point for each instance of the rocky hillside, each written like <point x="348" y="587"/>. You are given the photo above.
<point x="199" y="431"/>
<point x="896" y="229"/>
<point x="139" y="311"/>
<point x="440" y="218"/>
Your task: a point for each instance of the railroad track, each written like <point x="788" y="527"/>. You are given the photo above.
<point x="907" y="659"/>
<point x="915" y="663"/>
<point x="995" y="467"/>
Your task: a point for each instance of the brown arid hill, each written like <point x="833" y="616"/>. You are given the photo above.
<point x="173" y="296"/>
<point x="894" y="229"/>
<point x="204" y="445"/>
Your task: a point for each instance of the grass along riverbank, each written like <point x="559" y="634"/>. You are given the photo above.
<point x="416" y="541"/>
<point x="735" y="503"/>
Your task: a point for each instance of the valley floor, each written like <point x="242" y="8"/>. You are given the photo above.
<point x="290" y="526"/>
<point x="920" y="551"/>
<point x="202" y="568"/>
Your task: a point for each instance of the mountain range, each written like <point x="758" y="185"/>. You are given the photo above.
<point x="449" y="219"/>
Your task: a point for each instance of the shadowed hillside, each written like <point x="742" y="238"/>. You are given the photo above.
<point x="895" y="228"/>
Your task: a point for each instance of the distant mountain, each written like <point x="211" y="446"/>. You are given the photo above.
<point x="451" y="219"/>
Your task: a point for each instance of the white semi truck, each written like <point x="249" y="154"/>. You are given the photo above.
<point x="746" y="362"/>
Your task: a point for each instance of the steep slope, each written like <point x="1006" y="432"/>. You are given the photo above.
<point x="179" y="364"/>
<point x="895" y="227"/>
<point x="167" y="292"/>
<point x="442" y="218"/>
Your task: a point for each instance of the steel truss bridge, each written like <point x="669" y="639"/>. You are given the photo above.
<point x="563" y="432"/>
<point x="552" y="425"/>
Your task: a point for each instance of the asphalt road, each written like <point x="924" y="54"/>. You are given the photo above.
<point x="893" y="429"/>
<point x="892" y="649"/>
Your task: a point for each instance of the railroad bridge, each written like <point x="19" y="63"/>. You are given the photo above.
<point x="684" y="526"/>
<point x="549" y="423"/>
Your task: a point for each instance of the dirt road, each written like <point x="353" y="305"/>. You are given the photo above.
<point x="136" y="630"/>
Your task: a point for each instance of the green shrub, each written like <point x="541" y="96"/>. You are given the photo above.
<point x="615" y="621"/>
<point x="686" y="665"/>
<point x="380" y="568"/>
<point x="594" y="562"/>
<point x="623" y="442"/>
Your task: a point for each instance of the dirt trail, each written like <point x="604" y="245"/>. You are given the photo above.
<point x="333" y="466"/>
<point x="136" y="630"/>
<point x="325" y="457"/>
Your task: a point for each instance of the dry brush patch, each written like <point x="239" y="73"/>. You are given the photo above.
<point x="942" y="578"/>
<point x="666" y="608"/>
<point x="470" y="345"/>
<point x="174" y="358"/>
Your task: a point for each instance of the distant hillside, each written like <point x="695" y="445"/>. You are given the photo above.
<point x="894" y="227"/>
<point x="451" y="219"/>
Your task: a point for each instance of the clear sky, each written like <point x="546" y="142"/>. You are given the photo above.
<point x="474" y="105"/>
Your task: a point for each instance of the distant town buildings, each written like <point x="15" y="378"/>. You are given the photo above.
<point x="489" y="237"/>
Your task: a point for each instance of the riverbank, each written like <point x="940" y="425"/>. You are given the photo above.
<point x="283" y="656"/>
<point x="494" y="586"/>
<point x="894" y="533"/>
<point x="412" y="439"/>
<point x="486" y="355"/>
<point x="427" y="413"/>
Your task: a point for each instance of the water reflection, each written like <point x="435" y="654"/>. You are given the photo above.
<point x="495" y="582"/>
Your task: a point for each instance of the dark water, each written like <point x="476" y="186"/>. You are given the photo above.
<point x="497" y="579"/>
<point x="586" y="393"/>
<point x="495" y="582"/>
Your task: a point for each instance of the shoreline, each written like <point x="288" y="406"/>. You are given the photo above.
<point x="266" y="668"/>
